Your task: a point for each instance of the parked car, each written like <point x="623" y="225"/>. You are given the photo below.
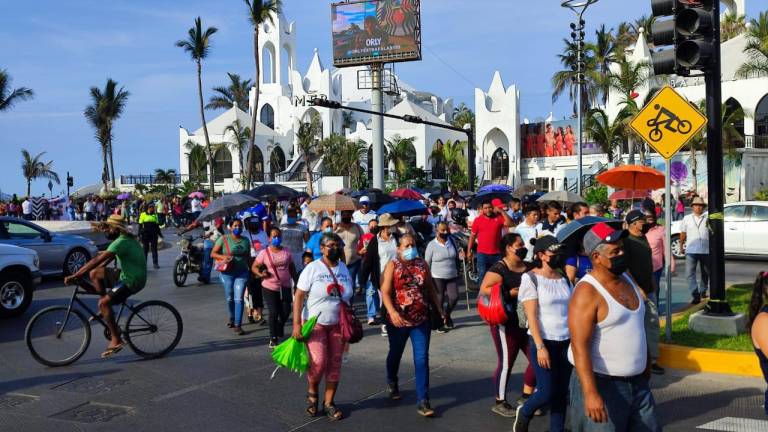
<point x="60" y="254"/>
<point x="19" y="274"/>
<point x="746" y="230"/>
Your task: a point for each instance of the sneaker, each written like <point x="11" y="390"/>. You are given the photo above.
<point x="239" y="331"/>
<point x="156" y="266"/>
<point x="272" y="343"/>
<point x="425" y="410"/>
<point x="383" y="331"/>
<point x="372" y="322"/>
<point x="449" y="325"/>
<point x="442" y="329"/>
<point x="521" y="423"/>
<point x="656" y="369"/>
<point x="704" y="295"/>
<point x="696" y="299"/>
<point x="345" y="358"/>
<point x="394" y="391"/>
<point x="503" y="409"/>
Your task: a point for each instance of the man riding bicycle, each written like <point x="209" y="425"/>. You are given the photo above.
<point x="113" y="285"/>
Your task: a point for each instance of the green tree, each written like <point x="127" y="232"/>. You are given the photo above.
<point x="756" y="48"/>
<point x="235" y="93"/>
<point x="732" y="25"/>
<point x="609" y="135"/>
<point x="8" y="96"/>
<point x="630" y="78"/>
<point x="307" y="144"/>
<point x="604" y="51"/>
<point x="451" y="155"/>
<point x="259" y="12"/>
<point x="345" y="159"/>
<point x="565" y="80"/>
<point x="106" y="107"/>
<point x="463" y="115"/>
<point x="238" y="143"/>
<point x="401" y="154"/>
<point x="33" y="168"/>
<point x="167" y="177"/>
<point x="625" y="38"/>
<point x="140" y="188"/>
<point x="198" y="46"/>
<point x="198" y="162"/>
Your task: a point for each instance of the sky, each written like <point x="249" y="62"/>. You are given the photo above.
<point x="61" y="49"/>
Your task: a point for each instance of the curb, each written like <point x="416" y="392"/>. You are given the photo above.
<point x="709" y="360"/>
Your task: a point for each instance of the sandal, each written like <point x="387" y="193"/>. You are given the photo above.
<point x="230" y="324"/>
<point x="312" y="400"/>
<point x="112" y="350"/>
<point x="333" y="412"/>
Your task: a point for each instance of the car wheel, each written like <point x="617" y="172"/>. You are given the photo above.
<point x="678" y="250"/>
<point x="75" y="260"/>
<point x="15" y="293"/>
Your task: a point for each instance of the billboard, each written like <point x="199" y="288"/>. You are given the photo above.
<point x="553" y="139"/>
<point x="373" y="31"/>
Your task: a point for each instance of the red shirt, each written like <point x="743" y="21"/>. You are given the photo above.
<point x="488" y="232"/>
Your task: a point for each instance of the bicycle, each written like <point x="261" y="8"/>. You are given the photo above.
<point x="60" y="335"/>
<point x="655" y="135"/>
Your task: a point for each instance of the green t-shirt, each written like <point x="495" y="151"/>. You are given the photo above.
<point x="639" y="258"/>
<point x="240" y="249"/>
<point x="132" y="262"/>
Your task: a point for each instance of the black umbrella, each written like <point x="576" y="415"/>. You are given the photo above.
<point x="573" y="233"/>
<point x="228" y="205"/>
<point x="376" y="197"/>
<point x="275" y="191"/>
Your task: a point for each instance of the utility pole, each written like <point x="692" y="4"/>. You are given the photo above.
<point x="377" y="106"/>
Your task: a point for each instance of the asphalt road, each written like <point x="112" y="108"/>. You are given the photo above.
<point x="217" y="381"/>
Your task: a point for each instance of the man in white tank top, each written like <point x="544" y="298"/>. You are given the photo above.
<point x="610" y="389"/>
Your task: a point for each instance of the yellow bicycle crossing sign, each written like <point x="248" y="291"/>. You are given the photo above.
<point x="668" y="121"/>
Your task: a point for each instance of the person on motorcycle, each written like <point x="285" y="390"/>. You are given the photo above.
<point x="113" y="285"/>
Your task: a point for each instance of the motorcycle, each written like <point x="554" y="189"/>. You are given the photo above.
<point x="190" y="260"/>
<point x="461" y="239"/>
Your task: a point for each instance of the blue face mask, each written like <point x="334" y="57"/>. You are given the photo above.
<point x="328" y="229"/>
<point x="410" y="254"/>
<point x="291" y="220"/>
<point x="237" y="231"/>
<point x="276" y="241"/>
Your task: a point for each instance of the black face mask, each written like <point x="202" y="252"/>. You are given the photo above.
<point x="112" y="235"/>
<point x="375" y="230"/>
<point x="619" y="264"/>
<point x="557" y="261"/>
<point x="443" y="236"/>
<point x="334" y="255"/>
<point x="647" y="227"/>
<point x="346" y="219"/>
<point x="522" y="253"/>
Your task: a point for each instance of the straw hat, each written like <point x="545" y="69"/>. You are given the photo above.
<point x="114" y="221"/>
<point x="698" y="201"/>
<point x="387" y="220"/>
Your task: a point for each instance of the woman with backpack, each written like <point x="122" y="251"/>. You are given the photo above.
<point x="441" y="256"/>
<point x="509" y="338"/>
<point x="274" y="265"/>
<point x="545" y="293"/>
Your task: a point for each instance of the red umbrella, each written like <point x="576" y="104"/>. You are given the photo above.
<point x="628" y="194"/>
<point x="409" y="194"/>
<point x="634" y="177"/>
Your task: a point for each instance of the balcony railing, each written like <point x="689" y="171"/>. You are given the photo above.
<point x="756" y="141"/>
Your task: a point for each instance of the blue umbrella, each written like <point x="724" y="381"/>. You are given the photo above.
<point x="403" y="208"/>
<point x="489" y="195"/>
<point x="495" y="188"/>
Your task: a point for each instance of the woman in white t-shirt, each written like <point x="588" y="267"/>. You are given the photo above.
<point x="544" y="293"/>
<point x="324" y="284"/>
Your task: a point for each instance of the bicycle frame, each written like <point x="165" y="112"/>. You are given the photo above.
<point x="96" y="316"/>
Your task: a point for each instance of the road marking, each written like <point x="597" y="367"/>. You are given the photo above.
<point x="198" y="387"/>
<point x="736" y="424"/>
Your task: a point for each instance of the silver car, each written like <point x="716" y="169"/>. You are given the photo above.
<point x="59" y="253"/>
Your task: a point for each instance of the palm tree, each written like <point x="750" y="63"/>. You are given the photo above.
<point x="198" y="46"/>
<point x="604" y="50"/>
<point x="108" y="105"/>
<point x="198" y="161"/>
<point x="346" y="158"/>
<point x="625" y="38"/>
<point x="608" y="134"/>
<point x="646" y="23"/>
<point x="307" y="143"/>
<point x="347" y="120"/>
<point x="401" y="153"/>
<point x="732" y="25"/>
<point x="235" y="93"/>
<point x="259" y="12"/>
<point x="238" y="143"/>
<point x="33" y="168"/>
<point x="629" y="78"/>
<point x="167" y="177"/>
<point x="564" y="80"/>
<point x="140" y="188"/>
<point x="756" y="48"/>
<point x="94" y="114"/>
<point x="9" y="97"/>
<point x="462" y="115"/>
<point x="451" y="155"/>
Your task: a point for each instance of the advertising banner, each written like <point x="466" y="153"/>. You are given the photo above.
<point x="553" y="139"/>
<point x="371" y="31"/>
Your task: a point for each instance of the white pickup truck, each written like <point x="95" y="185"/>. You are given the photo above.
<point x="19" y="274"/>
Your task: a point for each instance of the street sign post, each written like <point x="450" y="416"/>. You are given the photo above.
<point x="667" y="123"/>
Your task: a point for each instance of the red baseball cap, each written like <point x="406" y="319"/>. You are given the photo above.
<point x="497" y="203"/>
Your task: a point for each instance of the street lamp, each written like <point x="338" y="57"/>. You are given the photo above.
<point x="579" y="7"/>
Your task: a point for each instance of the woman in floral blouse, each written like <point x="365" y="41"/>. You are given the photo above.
<point x="408" y="290"/>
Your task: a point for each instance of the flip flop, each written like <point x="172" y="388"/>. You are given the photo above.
<point x="111" y="351"/>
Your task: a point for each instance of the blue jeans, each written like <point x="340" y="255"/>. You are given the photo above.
<point x="484" y="262"/>
<point x="398" y="337"/>
<point x="372" y="300"/>
<point x="207" y="265"/>
<point x="629" y="403"/>
<point x="551" y="384"/>
<point x="690" y="272"/>
<point x="657" y="277"/>
<point x="354" y="269"/>
<point x="234" y="288"/>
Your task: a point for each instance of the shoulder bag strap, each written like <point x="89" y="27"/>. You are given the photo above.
<point x="226" y="245"/>
<point x="274" y="268"/>
<point x="333" y="275"/>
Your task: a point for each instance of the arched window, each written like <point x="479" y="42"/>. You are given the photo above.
<point x="268" y="64"/>
<point x="309" y="115"/>
<point x="499" y="165"/>
<point x="222" y="165"/>
<point x="258" y="164"/>
<point x="277" y="160"/>
<point x="438" y="164"/>
<point x="267" y="116"/>
<point x="761" y="122"/>
<point x="287" y="65"/>
<point x="733" y="127"/>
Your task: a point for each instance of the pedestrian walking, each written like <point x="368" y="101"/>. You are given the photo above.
<point x="381" y="249"/>
<point x="364" y="215"/>
<point x="407" y="292"/>
<point x="372" y="297"/>
<point x="274" y="265"/>
<point x="579" y="210"/>
<point x="610" y="389"/>
<point x="545" y="293"/>
<point x="442" y="257"/>
<point x="529" y="229"/>
<point x="487" y="230"/>
<point x="26" y="209"/>
<point x="323" y="285"/>
<point x="577" y="265"/>
<point x="554" y="219"/>
<point x="313" y="244"/>
<point x="294" y="234"/>
<point x="150" y="232"/>
<point x="654" y="233"/>
<point x="679" y="208"/>
<point x="232" y="252"/>
<point x="259" y="241"/>
<point x="694" y="236"/>
<point x="509" y="338"/>
<point x="350" y="234"/>
<point x="758" y="325"/>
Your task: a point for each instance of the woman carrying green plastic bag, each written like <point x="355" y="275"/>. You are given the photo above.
<point x="292" y="354"/>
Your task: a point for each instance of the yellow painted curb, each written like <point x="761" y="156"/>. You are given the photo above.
<point x="709" y="360"/>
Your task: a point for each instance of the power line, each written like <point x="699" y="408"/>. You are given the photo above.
<point x="462" y="76"/>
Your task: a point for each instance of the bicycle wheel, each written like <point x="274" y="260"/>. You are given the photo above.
<point x="55" y="339"/>
<point x="655" y="135"/>
<point x="684" y="126"/>
<point x="153" y="329"/>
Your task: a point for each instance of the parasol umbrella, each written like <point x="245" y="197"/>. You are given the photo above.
<point x="275" y="191"/>
<point x="332" y="203"/>
<point x="196" y="194"/>
<point x="226" y="206"/>
<point x="124" y="196"/>
<point x="293" y="354"/>
<point x="479" y="198"/>
<point x="561" y="196"/>
<point x="628" y="194"/>
<point x="403" y="208"/>
<point x="573" y="233"/>
<point x="496" y="188"/>
<point x="633" y="177"/>
<point x="525" y="189"/>
<point x="408" y="194"/>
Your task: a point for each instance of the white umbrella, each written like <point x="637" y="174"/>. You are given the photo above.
<point x="561" y="196"/>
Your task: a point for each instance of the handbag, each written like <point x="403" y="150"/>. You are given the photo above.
<point x="221" y="265"/>
<point x="351" y="327"/>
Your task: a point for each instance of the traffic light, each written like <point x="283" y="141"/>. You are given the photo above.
<point x="686" y="40"/>
<point x="70" y="181"/>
